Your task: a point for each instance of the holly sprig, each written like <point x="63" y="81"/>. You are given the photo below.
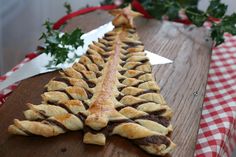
<point x="58" y="44"/>
<point x="171" y="8"/>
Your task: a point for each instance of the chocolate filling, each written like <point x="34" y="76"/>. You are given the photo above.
<point x="125" y="48"/>
<point x="159" y="112"/>
<point x="27" y="132"/>
<point x="155" y="139"/>
<point x="108" y="35"/>
<point x="119" y="97"/>
<point x="83" y="75"/>
<point x="121" y="80"/>
<point x="91" y="58"/>
<point x="42" y="113"/>
<point x="109" y="128"/>
<point x="90" y="84"/>
<point x="89" y="94"/>
<point x="56" y="123"/>
<point x="145" y="92"/>
<point x="64" y="80"/>
<point x="133" y="44"/>
<point x="135" y="105"/>
<point x="161" y="120"/>
<point x="87" y="53"/>
<point x="105" y="55"/>
<point x="98" y="75"/>
<point x="112" y="124"/>
<point x="81" y="116"/>
<point x="132" y="31"/>
<point x="65" y="107"/>
<point x="52" y="102"/>
<point x="68" y="94"/>
<point x="124" y="59"/>
<point x="86" y="106"/>
<point x="137" y="65"/>
<point x="144" y="61"/>
<point x="86" y="67"/>
<point x="122" y="64"/>
<point x="106" y="49"/>
<point x="137" y="76"/>
<point x="99" y="67"/>
<point x="107" y="39"/>
<point x="122" y="72"/>
<point x="139" y="83"/>
<point x="121" y="88"/>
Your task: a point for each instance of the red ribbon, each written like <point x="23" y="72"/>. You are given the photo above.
<point x="138" y="6"/>
<point x="31" y="55"/>
<point x="67" y="17"/>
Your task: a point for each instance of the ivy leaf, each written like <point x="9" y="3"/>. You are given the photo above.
<point x="216" y="9"/>
<point x="196" y="16"/>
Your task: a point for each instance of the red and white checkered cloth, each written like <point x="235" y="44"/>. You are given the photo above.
<point x="217" y="132"/>
<point x="7" y="91"/>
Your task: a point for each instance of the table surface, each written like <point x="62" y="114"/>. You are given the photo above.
<point x="182" y="84"/>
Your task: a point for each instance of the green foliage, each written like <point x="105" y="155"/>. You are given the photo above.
<point x="67" y="7"/>
<point x="228" y="24"/>
<point x="57" y="44"/>
<point x="196" y="16"/>
<point x="216" y="9"/>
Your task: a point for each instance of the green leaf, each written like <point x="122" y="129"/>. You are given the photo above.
<point x="172" y="10"/>
<point x="196" y="16"/>
<point x="216" y="9"/>
<point x="68" y="7"/>
<point x="155" y="8"/>
<point x="188" y="2"/>
<point x="75" y="38"/>
<point x="107" y="2"/>
<point x="57" y="45"/>
<point x="52" y="40"/>
<point x="228" y="24"/>
<point x="217" y="35"/>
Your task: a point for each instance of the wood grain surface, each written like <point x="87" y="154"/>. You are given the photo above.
<point x="182" y="84"/>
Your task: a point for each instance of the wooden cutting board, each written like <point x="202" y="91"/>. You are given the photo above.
<point x="182" y="83"/>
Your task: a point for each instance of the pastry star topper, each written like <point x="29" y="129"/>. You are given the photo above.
<point x="124" y="16"/>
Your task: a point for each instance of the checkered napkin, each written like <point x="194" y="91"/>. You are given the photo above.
<point x="217" y="131"/>
<point x="7" y="91"/>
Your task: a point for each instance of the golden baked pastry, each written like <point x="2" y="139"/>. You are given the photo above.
<point x="109" y="91"/>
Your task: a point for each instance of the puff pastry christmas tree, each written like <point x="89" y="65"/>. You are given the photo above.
<point x="109" y="91"/>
